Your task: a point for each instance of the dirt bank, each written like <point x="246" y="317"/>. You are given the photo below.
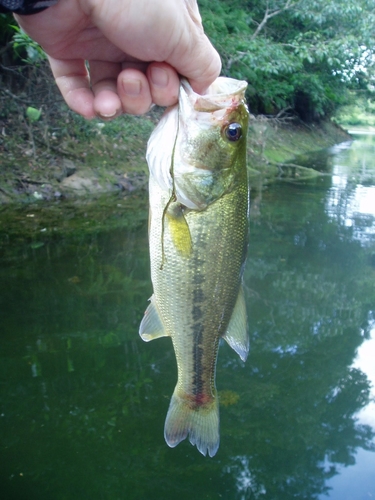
<point x="274" y="143"/>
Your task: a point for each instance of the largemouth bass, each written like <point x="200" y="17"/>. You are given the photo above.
<point x="198" y="232"/>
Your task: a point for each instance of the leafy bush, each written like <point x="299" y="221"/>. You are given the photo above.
<point x="302" y="55"/>
<point x="361" y="111"/>
<point x="23" y="44"/>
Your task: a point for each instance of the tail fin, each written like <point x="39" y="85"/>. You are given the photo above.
<point x="200" y="423"/>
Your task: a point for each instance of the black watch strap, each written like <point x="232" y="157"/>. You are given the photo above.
<point x="25" y="7"/>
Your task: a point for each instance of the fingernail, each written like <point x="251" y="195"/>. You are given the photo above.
<point x="159" y="77"/>
<point x="108" y="115"/>
<point x="131" y="87"/>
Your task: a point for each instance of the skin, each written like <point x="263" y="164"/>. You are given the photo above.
<point x="135" y="50"/>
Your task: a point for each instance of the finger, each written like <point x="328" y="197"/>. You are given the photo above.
<point x="134" y="91"/>
<point x="211" y="62"/>
<point x="74" y="83"/>
<point x="103" y="76"/>
<point x="199" y="63"/>
<point x="164" y="84"/>
<point x="194" y="56"/>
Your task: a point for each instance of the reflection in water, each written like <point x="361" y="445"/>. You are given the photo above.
<point x="365" y="362"/>
<point x="245" y="482"/>
<point x="361" y="477"/>
<point x="83" y="400"/>
<point x="350" y="200"/>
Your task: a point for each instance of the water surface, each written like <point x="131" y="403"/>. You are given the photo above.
<point x="83" y="399"/>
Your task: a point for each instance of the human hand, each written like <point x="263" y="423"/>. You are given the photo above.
<point x="135" y="49"/>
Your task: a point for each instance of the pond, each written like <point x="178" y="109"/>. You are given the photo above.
<point x="83" y="399"/>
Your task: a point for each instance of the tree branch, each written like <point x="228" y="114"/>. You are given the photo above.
<point x="269" y="14"/>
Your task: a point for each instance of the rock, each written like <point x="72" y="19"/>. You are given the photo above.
<point x="68" y="167"/>
<point x="61" y="168"/>
<point x="83" y="182"/>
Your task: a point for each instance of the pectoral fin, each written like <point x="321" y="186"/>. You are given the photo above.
<point x="237" y="334"/>
<point x="151" y="326"/>
<point x="179" y="229"/>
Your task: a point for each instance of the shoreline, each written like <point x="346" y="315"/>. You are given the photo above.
<point x="110" y="158"/>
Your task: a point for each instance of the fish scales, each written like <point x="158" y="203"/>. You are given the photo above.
<point x="208" y="281"/>
<point x="197" y="255"/>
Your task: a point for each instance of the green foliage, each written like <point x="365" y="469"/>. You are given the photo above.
<point x="300" y="54"/>
<point x="22" y="44"/>
<point x="5" y="27"/>
<point x="33" y="114"/>
<point x="361" y="111"/>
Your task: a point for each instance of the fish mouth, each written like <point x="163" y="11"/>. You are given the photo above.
<point x="224" y="93"/>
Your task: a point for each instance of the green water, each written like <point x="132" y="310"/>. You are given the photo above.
<point x="83" y="399"/>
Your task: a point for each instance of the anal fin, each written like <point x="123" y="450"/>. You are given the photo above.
<point x="237" y="332"/>
<point x="151" y="326"/>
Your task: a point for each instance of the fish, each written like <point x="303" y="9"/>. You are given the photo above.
<point x="198" y="239"/>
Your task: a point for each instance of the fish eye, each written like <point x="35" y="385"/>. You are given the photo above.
<point x="233" y="132"/>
